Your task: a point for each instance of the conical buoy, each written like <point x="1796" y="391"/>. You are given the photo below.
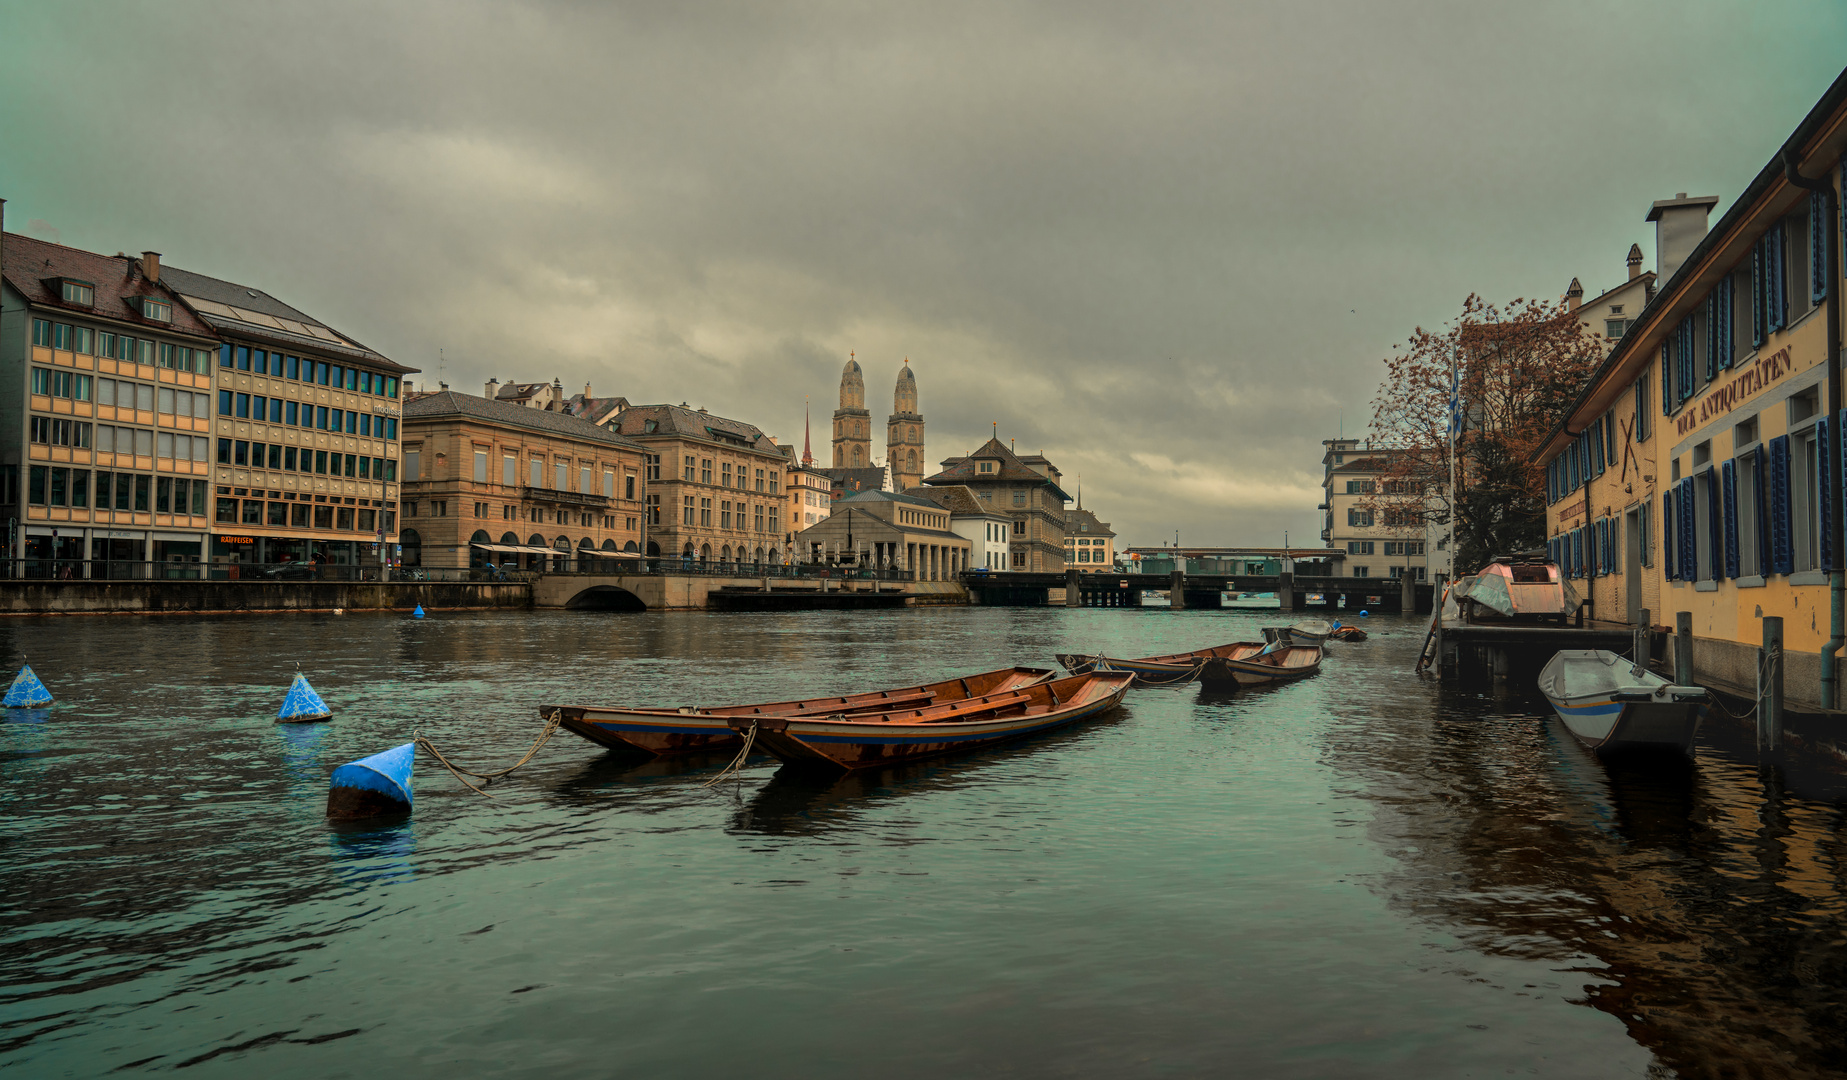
<point x="417" y="614"/>
<point x="26" y="692"/>
<point x="372" y="786"/>
<point x="302" y="704"/>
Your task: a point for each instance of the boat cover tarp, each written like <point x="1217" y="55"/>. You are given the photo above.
<point x="26" y="692"/>
<point x="387" y="773"/>
<point x="1492" y="591"/>
<point x="302" y="703"/>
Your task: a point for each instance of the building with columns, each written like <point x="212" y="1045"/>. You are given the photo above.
<point x="887" y="530"/>
<point x="904" y="434"/>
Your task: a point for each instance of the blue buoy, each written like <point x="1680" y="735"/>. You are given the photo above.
<point x="1365" y="614"/>
<point x="372" y="786"/>
<point x="417" y="614"/>
<point x="302" y="704"/>
<point x="26" y="692"/>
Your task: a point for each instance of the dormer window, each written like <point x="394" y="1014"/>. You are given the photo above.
<point x="77" y="292"/>
<point x="987" y="466"/>
<point x="157" y="310"/>
<point x="1616" y="309"/>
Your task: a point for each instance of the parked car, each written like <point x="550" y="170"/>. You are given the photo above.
<point x="291" y="571"/>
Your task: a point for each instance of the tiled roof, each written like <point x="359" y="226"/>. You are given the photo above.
<point x="957" y="499"/>
<point x="871" y="478"/>
<point x="117" y="278"/>
<point x="1010" y="467"/>
<point x="683" y="421"/>
<point x="241" y="309"/>
<point x="887" y="496"/>
<point x="453" y="403"/>
<point x="1085" y="522"/>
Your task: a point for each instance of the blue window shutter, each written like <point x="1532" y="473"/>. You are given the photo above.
<point x="1712" y="333"/>
<point x="1782" y="547"/>
<point x="1609" y="437"/>
<point x="1728" y="307"/>
<point x="1577" y="552"/>
<point x="1818" y="251"/>
<point x="1730" y="471"/>
<point x="1715" y="525"/>
<point x="1757" y="290"/>
<point x="1761" y="496"/>
<point x="1689" y="531"/>
<point x="1595" y="438"/>
<point x="1685" y="360"/>
<point x="1668" y="565"/>
<point x="1667" y="378"/>
<point x="1778" y="258"/>
<point x="1824" y="493"/>
<point x="1609" y="546"/>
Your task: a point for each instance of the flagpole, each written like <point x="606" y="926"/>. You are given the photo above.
<point x="1455" y="421"/>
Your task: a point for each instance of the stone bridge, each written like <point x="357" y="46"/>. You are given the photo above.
<point x="680" y="592"/>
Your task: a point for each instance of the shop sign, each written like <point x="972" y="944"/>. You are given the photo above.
<point x="235" y="539"/>
<point x="1721" y="401"/>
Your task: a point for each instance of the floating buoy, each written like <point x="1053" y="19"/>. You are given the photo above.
<point x="1365" y="614"/>
<point x="372" y="786"/>
<point x="302" y="704"/>
<point x="417" y="614"/>
<point x="26" y="692"/>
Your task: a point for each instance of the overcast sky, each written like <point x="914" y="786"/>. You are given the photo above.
<point x="1166" y="245"/>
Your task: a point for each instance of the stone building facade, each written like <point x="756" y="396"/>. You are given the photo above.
<point x="904" y="434"/>
<point x="1026" y="490"/>
<point x="884" y="529"/>
<point x="494" y="481"/>
<point x="719" y="490"/>
<point x="852" y="421"/>
<point x="1090" y="544"/>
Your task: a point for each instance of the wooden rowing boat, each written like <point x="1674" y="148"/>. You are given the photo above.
<point x="869" y="740"/>
<point x="693" y="729"/>
<point x="1346" y="633"/>
<point x="1274" y="663"/>
<point x="1609" y="704"/>
<point x="1169" y="670"/>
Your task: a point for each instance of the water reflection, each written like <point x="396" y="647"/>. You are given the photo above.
<point x="1699" y="902"/>
<point x="374" y="852"/>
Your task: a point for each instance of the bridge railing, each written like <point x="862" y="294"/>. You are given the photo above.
<point x="75" y="570"/>
<point x="671" y="567"/>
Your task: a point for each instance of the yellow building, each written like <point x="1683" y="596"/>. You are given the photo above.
<point x="1090" y="544"/>
<point x="1697" y="471"/>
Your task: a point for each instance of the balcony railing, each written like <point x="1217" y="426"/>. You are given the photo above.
<point x="563" y="498"/>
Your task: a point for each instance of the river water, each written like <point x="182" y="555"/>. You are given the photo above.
<point x="1360" y="875"/>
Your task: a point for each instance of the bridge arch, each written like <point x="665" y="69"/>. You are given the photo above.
<point x="605" y="598"/>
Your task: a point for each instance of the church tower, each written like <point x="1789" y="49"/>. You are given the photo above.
<point x="904" y="434"/>
<point x="852" y="421"/>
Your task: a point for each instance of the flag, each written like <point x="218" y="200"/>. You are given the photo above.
<point x="1455" y="402"/>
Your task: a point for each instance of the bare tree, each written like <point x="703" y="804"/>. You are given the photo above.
<point x="1515" y="370"/>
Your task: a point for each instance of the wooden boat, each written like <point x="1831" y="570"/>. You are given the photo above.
<point x="1277" y="662"/>
<point x="1309" y="631"/>
<point x="1342" y="632"/>
<point x="1610" y="704"/>
<point x="1170" y="670"/>
<point x="873" y="739"/>
<point x="693" y="730"/>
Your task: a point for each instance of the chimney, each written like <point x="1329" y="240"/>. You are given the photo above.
<point x="1680" y="224"/>
<point x="1574" y="295"/>
<point x="493" y="389"/>
<point x="150" y="266"/>
<point x="587" y="394"/>
<point x="1635" y="261"/>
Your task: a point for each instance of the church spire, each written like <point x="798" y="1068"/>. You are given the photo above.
<point x="904" y="433"/>
<point x="807" y="450"/>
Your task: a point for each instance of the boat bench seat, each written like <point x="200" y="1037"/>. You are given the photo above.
<point x="957" y="712"/>
<point x="840" y="708"/>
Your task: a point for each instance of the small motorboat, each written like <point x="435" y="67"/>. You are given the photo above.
<point x="1278" y="661"/>
<point x="693" y="730"/>
<point x="872" y="739"/>
<point x="1309" y="631"/>
<point x="1610" y="704"/>
<point x="1170" y="670"/>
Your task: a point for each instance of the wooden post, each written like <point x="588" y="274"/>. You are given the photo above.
<point x="1683" y="646"/>
<point x="1407" y="593"/>
<point x="1770" y="686"/>
<point x="1644" y="647"/>
<point x="1285" y="591"/>
<point x="1071" y="593"/>
<point x="1176" y="590"/>
<point x="1436" y="618"/>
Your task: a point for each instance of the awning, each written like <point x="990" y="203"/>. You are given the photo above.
<point x="516" y="549"/>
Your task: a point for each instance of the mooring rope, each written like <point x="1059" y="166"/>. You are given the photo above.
<point x="1176" y="679"/>
<point x="552" y="724"/>
<point x="736" y="768"/>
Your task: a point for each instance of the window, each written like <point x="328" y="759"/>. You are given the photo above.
<point x="509" y="470"/>
<point x="78" y="292"/>
<point x="157" y="310"/>
<point x="1359" y="518"/>
<point x="1360" y="547"/>
<point x="705" y="512"/>
<point x="687" y="515"/>
<point x="705" y="470"/>
<point x="583" y="480"/>
<point x="535" y="472"/>
<point x="1362" y="571"/>
<point x="1805" y="486"/>
<point x="987" y="466"/>
<point x="689" y="471"/>
<point x="1613" y="328"/>
<point x="480" y="466"/>
<point x="726" y="473"/>
<point x="1359" y="487"/>
<point x="413" y="465"/>
<point x="724" y="511"/>
<point x="561" y="476"/>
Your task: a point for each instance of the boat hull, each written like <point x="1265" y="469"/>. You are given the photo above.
<point x="674" y="732"/>
<point x="1169" y="670"/>
<point x="1300" y="662"/>
<point x="847" y="745"/>
<point x="1614" y="726"/>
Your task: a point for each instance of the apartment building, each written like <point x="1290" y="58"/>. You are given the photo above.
<point x="494" y="481"/>
<point x="1090" y="544"/>
<point x="305" y="432"/>
<point x="1698" y="470"/>
<point x="106" y="391"/>
<point x="1368" y="534"/>
<point x="715" y="485"/>
<point x="1027" y="491"/>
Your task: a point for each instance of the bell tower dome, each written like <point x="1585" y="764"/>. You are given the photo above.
<point x="904" y="434"/>
<point x="852" y="420"/>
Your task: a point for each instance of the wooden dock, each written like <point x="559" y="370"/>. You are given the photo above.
<point x="1081" y="589"/>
